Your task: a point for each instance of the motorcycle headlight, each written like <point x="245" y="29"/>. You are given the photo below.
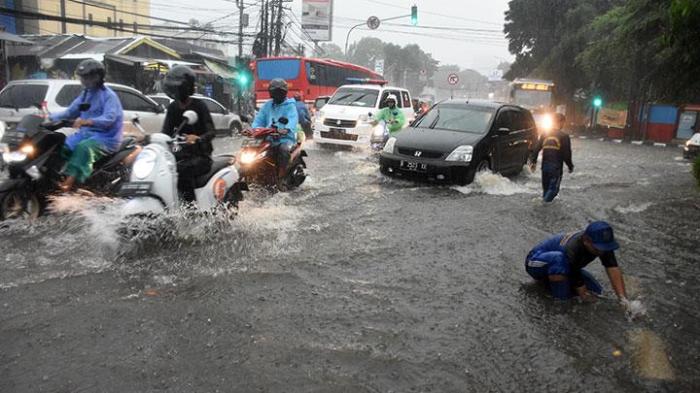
<point x="27" y="149"/>
<point x="247" y="157"/>
<point x="461" y="153"/>
<point x="145" y="163"/>
<point x="13" y="157"/>
<point x="379" y="130"/>
<point x="389" y="147"/>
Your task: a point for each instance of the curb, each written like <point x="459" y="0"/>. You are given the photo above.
<point x="636" y="143"/>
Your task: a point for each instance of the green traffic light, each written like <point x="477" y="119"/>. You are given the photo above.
<point x="414" y="15"/>
<point x="597" y="102"/>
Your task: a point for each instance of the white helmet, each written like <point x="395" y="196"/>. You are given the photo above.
<point x="392" y="97"/>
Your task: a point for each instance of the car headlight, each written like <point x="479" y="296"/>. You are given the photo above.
<point x="145" y="162"/>
<point x="14" y="156"/>
<point x="547" y="122"/>
<point x="461" y="153"/>
<point x="389" y="146"/>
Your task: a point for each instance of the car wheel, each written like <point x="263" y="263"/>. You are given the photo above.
<point x="483" y="166"/>
<point x="235" y="129"/>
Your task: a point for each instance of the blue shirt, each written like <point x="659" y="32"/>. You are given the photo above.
<point x="270" y="114"/>
<point x="106" y="115"/>
<point x="303" y="111"/>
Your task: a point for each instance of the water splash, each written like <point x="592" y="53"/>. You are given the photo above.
<point x="633" y="208"/>
<point x="649" y="356"/>
<point x="494" y="184"/>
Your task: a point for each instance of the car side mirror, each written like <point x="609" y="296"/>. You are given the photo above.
<point x="159" y="109"/>
<point x="503" y="131"/>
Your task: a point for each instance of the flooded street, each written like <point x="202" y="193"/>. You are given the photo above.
<point x="360" y="283"/>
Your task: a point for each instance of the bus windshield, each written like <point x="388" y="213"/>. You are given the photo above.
<point x="355" y="97"/>
<point x="287" y="69"/>
<point x="533" y="98"/>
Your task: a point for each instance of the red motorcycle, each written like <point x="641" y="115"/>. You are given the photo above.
<point x="258" y="162"/>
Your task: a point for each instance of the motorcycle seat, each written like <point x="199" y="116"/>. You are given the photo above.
<point x="218" y="163"/>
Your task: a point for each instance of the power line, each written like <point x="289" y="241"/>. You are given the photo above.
<point x="435" y="13"/>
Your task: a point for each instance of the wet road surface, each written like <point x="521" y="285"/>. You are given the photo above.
<point x="360" y="283"/>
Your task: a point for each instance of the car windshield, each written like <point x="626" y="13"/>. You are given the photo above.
<point x="457" y="117"/>
<point x="533" y="98"/>
<point x="355" y="97"/>
<point x="23" y="96"/>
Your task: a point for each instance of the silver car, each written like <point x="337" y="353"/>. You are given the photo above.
<point x="225" y="121"/>
<point x="24" y="97"/>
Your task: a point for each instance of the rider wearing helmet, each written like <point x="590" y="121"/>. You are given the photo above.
<point x="304" y="115"/>
<point x="194" y="158"/>
<point x="280" y="107"/>
<point x="98" y="120"/>
<point x="391" y="115"/>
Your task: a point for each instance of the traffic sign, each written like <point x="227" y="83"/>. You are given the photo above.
<point x="453" y="79"/>
<point x="373" y="22"/>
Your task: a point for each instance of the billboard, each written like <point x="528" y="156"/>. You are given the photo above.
<point x="317" y="18"/>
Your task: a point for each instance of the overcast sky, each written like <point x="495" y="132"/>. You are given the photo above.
<point x="469" y="35"/>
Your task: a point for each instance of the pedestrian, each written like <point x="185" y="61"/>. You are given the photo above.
<point x="556" y="151"/>
<point x="559" y="262"/>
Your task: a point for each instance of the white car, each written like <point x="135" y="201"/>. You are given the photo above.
<point x="24" y="97"/>
<point x="347" y="117"/>
<point x="225" y="122"/>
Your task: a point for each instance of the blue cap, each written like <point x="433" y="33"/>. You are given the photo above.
<point x="601" y="233"/>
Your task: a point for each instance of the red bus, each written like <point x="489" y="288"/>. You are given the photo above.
<point x="309" y="77"/>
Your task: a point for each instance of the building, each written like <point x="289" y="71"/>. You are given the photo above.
<point x="125" y="16"/>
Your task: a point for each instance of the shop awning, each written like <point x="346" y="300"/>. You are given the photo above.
<point x="5" y="36"/>
<point x="221" y="70"/>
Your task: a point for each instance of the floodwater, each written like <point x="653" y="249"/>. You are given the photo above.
<point x="360" y="283"/>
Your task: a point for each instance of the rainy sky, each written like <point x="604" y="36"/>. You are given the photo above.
<point x="466" y="32"/>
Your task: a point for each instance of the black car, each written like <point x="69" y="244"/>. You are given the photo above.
<point x="458" y="138"/>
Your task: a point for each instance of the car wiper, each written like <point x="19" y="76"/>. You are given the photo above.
<point x="341" y="98"/>
<point x="437" y="118"/>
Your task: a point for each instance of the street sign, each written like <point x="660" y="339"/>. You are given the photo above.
<point x="379" y="66"/>
<point x="373" y="22"/>
<point x="453" y="79"/>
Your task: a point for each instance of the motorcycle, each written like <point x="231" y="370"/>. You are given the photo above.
<point x="258" y="164"/>
<point x="32" y="155"/>
<point x="153" y="185"/>
<point x="380" y="135"/>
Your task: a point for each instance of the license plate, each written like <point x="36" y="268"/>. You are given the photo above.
<point x="338" y="130"/>
<point x="135" y="189"/>
<point x="414" y="166"/>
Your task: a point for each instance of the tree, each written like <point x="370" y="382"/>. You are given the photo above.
<point x="332" y="51"/>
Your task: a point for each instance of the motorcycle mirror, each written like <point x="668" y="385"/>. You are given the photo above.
<point x="369" y="114"/>
<point x="191" y="117"/>
<point x="283" y="120"/>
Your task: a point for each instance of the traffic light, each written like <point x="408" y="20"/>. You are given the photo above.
<point x="414" y="15"/>
<point x="597" y="102"/>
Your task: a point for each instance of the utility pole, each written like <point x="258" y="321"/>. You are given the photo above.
<point x="278" y="31"/>
<point x="63" y="16"/>
<point x="241" y="7"/>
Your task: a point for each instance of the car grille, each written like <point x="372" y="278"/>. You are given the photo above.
<point x="338" y="135"/>
<point x="423" y="153"/>
<point x="340" y="123"/>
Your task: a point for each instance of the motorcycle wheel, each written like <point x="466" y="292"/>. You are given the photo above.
<point x="17" y="205"/>
<point x="296" y="176"/>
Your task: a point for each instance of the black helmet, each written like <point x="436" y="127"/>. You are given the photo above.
<point x="278" y="90"/>
<point x="179" y="83"/>
<point x="91" y="67"/>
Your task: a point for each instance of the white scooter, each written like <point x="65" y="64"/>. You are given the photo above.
<point x="153" y="184"/>
<point x="380" y="134"/>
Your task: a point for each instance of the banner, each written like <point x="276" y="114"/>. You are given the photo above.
<point x="317" y="19"/>
<point x="612" y="118"/>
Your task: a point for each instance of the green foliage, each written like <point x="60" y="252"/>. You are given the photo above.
<point x="400" y="63"/>
<point x="696" y="170"/>
<point x="332" y="51"/>
<point x="624" y="49"/>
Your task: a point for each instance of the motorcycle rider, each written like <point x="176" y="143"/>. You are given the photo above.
<point x="194" y="158"/>
<point x="277" y="108"/>
<point x="556" y="151"/>
<point x="98" y="118"/>
<point x="304" y="115"/>
<point x="393" y="116"/>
